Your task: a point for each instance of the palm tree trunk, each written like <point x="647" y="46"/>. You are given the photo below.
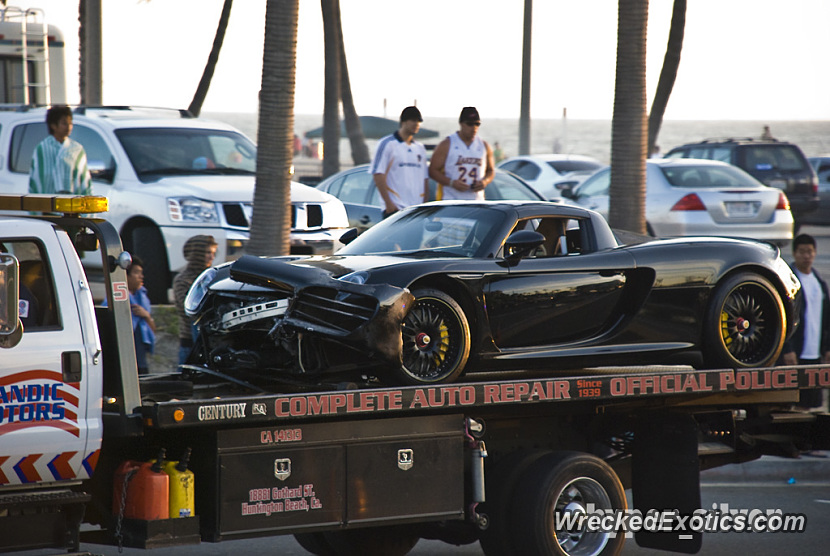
<point x="195" y="107"/>
<point x="354" y="129"/>
<point x="628" y="128"/>
<point x="331" y="90"/>
<point x="668" y="75"/>
<point x="271" y="223"/>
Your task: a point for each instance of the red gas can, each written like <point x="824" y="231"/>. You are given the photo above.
<point x="123" y="472"/>
<point x="148" y="493"/>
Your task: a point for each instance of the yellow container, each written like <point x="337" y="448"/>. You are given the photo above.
<point x="182" y="487"/>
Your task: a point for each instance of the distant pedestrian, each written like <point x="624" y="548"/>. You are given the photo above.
<point x="463" y="164"/>
<point x="400" y="165"/>
<point x="498" y="153"/>
<point x="655" y="152"/>
<point x="144" y="327"/>
<point x="767" y="134"/>
<point x="199" y="252"/>
<point x="810" y="343"/>
<point x="59" y="164"/>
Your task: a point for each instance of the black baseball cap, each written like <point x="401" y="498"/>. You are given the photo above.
<point x="469" y="114"/>
<point x="411" y="113"/>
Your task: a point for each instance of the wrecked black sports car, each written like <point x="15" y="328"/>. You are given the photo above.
<point x="445" y="288"/>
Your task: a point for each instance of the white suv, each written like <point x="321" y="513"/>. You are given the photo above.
<point x="168" y="177"/>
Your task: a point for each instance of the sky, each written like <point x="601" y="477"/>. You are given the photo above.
<point x="741" y="59"/>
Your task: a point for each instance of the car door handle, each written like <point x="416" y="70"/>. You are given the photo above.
<point x="71" y="367"/>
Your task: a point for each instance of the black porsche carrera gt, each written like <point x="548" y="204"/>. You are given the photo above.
<point x="445" y="288"/>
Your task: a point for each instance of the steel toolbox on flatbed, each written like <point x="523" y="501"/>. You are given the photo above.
<point x="267" y="479"/>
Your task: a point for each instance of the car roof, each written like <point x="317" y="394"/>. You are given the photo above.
<point x="733" y="141"/>
<point x="122" y="117"/>
<point x="524" y="207"/>
<point x="663" y="162"/>
<point x="548" y="157"/>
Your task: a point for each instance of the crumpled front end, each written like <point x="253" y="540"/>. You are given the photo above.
<point x="364" y="317"/>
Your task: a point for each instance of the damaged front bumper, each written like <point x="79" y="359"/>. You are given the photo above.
<point x="362" y="316"/>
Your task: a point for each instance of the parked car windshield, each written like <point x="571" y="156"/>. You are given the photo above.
<point x="698" y="177"/>
<point x="156" y="152"/>
<point x="430" y="230"/>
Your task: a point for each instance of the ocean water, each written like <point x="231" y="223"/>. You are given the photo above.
<point x="586" y="137"/>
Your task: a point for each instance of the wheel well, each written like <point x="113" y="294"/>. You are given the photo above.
<point x="127" y="241"/>
<point x="454" y="290"/>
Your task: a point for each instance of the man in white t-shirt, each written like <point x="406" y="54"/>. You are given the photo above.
<point x="463" y="164"/>
<point x="400" y="165"/>
<point x="810" y="344"/>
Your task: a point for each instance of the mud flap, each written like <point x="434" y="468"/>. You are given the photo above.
<point x="666" y="476"/>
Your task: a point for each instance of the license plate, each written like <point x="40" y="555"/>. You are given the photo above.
<point x="778" y="184"/>
<point x="742" y="209"/>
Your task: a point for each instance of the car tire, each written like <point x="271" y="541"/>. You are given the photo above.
<point x="497" y="538"/>
<point x="148" y="245"/>
<point x="315" y="543"/>
<point x="436" y="340"/>
<point x="395" y="540"/>
<point x="564" y="483"/>
<point x="745" y="323"/>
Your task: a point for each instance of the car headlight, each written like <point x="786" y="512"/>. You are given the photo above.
<point x="358" y="277"/>
<point x="198" y="292"/>
<point x="191" y="209"/>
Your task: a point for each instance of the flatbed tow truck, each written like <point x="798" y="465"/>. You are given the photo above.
<point x="346" y="468"/>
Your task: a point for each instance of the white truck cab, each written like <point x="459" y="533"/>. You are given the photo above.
<point x="169" y="176"/>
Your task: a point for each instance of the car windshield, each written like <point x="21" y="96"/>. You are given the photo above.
<point x="156" y="152"/>
<point x="457" y="230"/>
<point x="705" y="176"/>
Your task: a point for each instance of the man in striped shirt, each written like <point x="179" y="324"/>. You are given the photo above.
<point x="59" y="164"/>
<point x="399" y="168"/>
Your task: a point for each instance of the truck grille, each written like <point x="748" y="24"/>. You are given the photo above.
<point x="310" y="215"/>
<point x="341" y="311"/>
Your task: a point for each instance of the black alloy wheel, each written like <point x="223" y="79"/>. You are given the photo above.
<point x="436" y="340"/>
<point x="745" y="324"/>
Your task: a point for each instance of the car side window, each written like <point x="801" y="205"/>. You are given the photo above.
<point x="25" y="138"/>
<point x="527" y="171"/>
<point x="598" y="184"/>
<point x="97" y="152"/>
<point x="721" y="153"/>
<point x="355" y="188"/>
<point x="37" y="306"/>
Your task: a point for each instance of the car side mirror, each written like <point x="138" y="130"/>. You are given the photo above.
<point x="349" y="236"/>
<point x="11" y="329"/>
<point x="522" y="243"/>
<point x="566" y="191"/>
<point x="98" y="170"/>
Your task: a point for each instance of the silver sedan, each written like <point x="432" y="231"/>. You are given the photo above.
<point x="686" y="197"/>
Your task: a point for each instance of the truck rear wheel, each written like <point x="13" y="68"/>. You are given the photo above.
<point x="496" y="540"/>
<point x="744" y="324"/>
<point x="372" y="541"/>
<point x="148" y="244"/>
<point x="562" y="485"/>
<point x="315" y="543"/>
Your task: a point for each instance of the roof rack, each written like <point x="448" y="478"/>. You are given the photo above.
<point x="105" y="111"/>
<point x="737" y="139"/>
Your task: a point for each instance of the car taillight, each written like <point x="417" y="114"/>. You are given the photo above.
<point x="689" y="202"/>
<point x="783" y="202"/>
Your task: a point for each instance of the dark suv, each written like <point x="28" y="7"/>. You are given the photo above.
<point x="775" y="163"/>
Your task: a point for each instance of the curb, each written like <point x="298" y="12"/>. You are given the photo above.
<point x="813" y="467"/>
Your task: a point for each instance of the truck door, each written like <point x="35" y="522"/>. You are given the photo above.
<point x="50" y="421"/>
